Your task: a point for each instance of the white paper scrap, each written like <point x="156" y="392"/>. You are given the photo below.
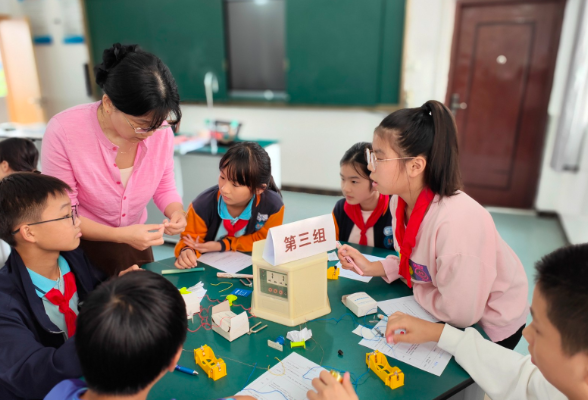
<point x="299" y="336"/>
<point x="333" y="256"/>
<point x="364" y="332"/>
<point x="407" y="305"/>
<point x="226" y="261"/>
<point x="426" y="356"/>
<point x="345" y="273"/>
<point x="289" y="379"/>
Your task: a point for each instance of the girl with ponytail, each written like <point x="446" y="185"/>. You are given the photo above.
<point x="460" y="269"/>
<point x="17" y="155"/>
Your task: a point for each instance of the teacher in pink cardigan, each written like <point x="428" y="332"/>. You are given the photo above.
<point x="117" y="154"/>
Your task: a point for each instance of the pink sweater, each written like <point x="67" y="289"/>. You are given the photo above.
<point x="462" y="270"/>
<point x="76" y="151"/>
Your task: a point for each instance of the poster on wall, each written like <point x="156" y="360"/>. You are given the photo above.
<point x="37" y="11"/>
<point x="73" y="25"/>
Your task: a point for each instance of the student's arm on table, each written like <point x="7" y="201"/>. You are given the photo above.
<point x="195" y="232"/>
<point x="500" y="372"/>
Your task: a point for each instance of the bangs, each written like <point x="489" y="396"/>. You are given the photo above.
<point x="163" y="113"/>
<point x="238" y="169"/>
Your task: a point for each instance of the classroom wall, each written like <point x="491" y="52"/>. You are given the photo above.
<point x="60" y="66"/>
<point x="565" y="192"/>
<point x="312" y="140"/>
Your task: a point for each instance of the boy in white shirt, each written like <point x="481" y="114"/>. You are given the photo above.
<point x="557" y="367"/>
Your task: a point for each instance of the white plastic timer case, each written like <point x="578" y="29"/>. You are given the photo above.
<point x="291" y="293"/>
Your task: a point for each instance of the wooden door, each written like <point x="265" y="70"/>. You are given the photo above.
<point x="503" y="59"/>
<point x="24" y="91"/>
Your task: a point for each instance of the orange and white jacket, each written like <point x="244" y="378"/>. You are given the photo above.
<point x="204" y="221"/>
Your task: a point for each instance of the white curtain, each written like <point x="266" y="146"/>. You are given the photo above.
<point x="573" y="121"/>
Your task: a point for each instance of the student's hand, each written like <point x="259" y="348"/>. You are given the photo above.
<point x="176" y="224"/>
<point x="417" y="330"/>
<point x="186" y="260"/>
<point x="207" y="247"/>
<point x="130" y="269"/>
<point x="369" y="268"/>
<point x="243" y="398"/>
<point x="142" y="237"/>
<point x="328" y="388"/>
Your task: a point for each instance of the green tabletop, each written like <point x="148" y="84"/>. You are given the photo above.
<point x="222" y="149"/>
<point x="330" y="334"/>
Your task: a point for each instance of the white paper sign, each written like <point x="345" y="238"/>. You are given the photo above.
<point x="299" y="240"/>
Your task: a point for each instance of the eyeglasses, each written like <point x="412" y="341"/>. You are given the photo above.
<point x="147" y="130"/>
<point x="371" y="158"/>
<point x="73" y="216"/>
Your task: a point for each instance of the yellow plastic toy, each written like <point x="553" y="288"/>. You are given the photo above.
<point x="302" y="343"/>
<point x="214" y="367"/>
<point x="333" y="273"/>
<point x="392" y="376"/>
<point x="231" y="298"/>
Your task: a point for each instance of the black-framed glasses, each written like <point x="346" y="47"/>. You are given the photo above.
<point x="73" y="215"/>
<point x="147" y="130"/>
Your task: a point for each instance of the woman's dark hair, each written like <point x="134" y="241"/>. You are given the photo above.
<point x="429" y="131"/>
<point x="128" y="331"/>
<point x="248" y="164"/>
<point x="355" y="157"/>
<point x="20" y="154"/>
<point x="137" y="82"/>
<point x="562" y="279"/>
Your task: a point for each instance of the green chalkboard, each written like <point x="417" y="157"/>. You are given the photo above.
<point x="188" y="35"/>
<point x="343" y="52"/>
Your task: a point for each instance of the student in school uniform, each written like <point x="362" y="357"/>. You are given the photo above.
<point x="42" y="285"/>
<point x="238" y="211"/>
<point x="109" y="321"/>
<point x="557" y="365"/>
<point x="363" y="216"/>
<point x="461" y="270"/>
<point x="16" y="155"/>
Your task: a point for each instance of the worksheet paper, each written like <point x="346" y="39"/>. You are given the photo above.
<point x="349" y="274"/>
<point x="291" y="380"/>
<point x="226" y="261"/>
<point x="426" y="356"/>
<point x="407" y="305"/>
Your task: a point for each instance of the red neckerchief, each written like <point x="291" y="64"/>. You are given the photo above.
<point x="408" y="241"/>
<point x="354" y="213"/>
<point x="62" y="301"/>
<point x="233" y="229"/>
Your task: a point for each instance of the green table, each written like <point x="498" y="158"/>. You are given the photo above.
<point x="331" y="333"/>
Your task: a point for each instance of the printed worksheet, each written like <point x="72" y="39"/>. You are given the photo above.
<point x="407" y="305"/>
<point x="426" y="356"/>
<point x="289" y="379"/>
<point x="226" y="261"/>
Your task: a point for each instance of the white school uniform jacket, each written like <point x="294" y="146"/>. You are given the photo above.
<point x="502" y="373"/>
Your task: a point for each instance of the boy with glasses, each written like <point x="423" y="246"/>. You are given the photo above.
<point x="44" y="280"/>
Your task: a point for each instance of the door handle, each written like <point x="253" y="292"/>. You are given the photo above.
<point x="455" y="105"/>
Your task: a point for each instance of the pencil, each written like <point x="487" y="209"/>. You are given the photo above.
<point x="181" y="271"/>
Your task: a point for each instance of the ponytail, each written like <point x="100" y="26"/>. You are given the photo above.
<point x="20" y="154"/>
<point x="428" y="131"/>
<point x="248" y="164"/>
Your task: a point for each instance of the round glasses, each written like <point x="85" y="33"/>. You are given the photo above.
<point x="147" y="130"/>
<point x="371" y="159"/>
<point x="73" y="215"/>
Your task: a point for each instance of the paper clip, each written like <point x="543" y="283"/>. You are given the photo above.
<point x="247" y="282"/>
<point x="253" y="330"/>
